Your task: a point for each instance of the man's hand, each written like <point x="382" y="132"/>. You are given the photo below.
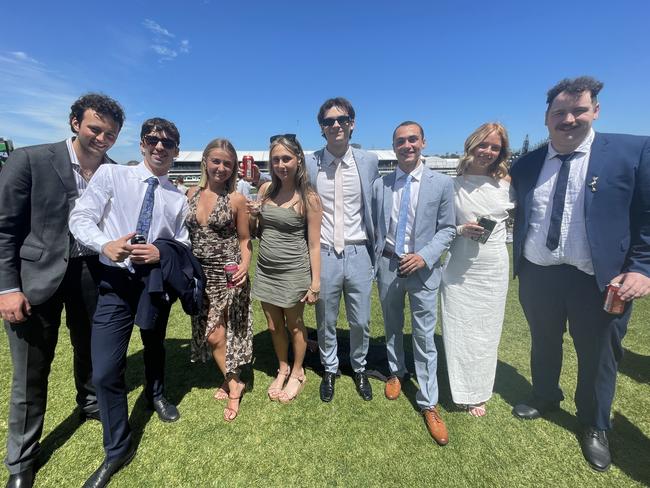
<point x="633" y="285"/>
<point x="144" y="254"/>
<point x="119" y="249"/>
<point x="410" y="263"/>
<point x="14" y="307"/>
<point x="255" y="179"/>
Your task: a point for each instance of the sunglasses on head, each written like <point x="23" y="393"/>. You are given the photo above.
<point x="291" y="137"/>
<point x="153" y="141"/>
<point x="341" y="119"/>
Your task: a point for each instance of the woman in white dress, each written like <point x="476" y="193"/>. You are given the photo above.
<point x="475" y="279"/>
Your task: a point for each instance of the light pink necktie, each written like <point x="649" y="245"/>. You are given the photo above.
<point x="339" y="237"/>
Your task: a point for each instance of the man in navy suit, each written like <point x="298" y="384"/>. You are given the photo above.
<point x="343" y="177"/>
<point x="582" y="222"/>
<point x="414" y="222"/>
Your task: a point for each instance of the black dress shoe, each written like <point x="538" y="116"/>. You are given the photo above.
<point x="102" y="476"/>
<point x="595" y="448"/>
<point x="534" y="409"/>
<point x="327" y="386"/>
<point x="24" y="479"/>
<point x="166" y="411"/>
<point x="363" y="385"/>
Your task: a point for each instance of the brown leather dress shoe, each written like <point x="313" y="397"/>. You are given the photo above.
<point x="436" y="426"/>
<point x="393" y="387"/>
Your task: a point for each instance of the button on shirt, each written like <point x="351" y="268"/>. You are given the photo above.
<point x="354" y="230"/>
<point x="573" y="247"/>
<point x="110" y="206"/>
<point x="398" y="189"/>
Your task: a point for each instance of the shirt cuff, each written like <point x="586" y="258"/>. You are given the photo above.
<point x="10" y="290"/>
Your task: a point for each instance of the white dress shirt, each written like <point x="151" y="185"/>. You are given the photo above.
<point x="110" y="207"/>
<point x="354" y="230"/>
<point x="573" y="247"/>
<point x="398" y="190"/>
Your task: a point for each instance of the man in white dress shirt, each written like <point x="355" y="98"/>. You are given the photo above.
<point x="123" y="204"/>
<point x="343" y="177"/>
<point x="414" y="221"/>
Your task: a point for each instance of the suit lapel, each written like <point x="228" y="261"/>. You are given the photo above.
<point x="532" y="174"/>
<point x="389" y="188"/>
<point x="60" y="161"/>
<point x="423" y="198"/>
<point x="597" y="158"/>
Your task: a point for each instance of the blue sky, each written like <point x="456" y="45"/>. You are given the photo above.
<point x="246" y="70"/>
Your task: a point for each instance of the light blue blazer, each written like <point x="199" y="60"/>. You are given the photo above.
<point x="435" y="219"/>
<point x="367" y="166"/>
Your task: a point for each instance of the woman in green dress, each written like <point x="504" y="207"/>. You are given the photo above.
<point x="287" y="218"/>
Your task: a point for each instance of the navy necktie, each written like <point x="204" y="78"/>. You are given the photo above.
<point x="402" y="217"/>
<point x="553" y="236"/>
<point x="146" y="212"/>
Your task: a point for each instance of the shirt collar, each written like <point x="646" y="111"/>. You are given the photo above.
<point x="329" y="158"/>
<point x="143" y="174"/>
<point x="416" y="174"/>
<point x="73" y="155"/>
<point x="584" y="147"/>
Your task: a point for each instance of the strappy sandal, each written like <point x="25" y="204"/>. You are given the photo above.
<point x="478" y="410"/>
<point x="274" y="391"/>
<point x="230" y="413"/>
<point x="221" y="393"/>
<point x="284" y="397"/>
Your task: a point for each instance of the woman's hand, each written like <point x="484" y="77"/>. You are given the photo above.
<point x="311" y="297"/>
<point x="240" y="276"/>
<point x="471" y="230"/>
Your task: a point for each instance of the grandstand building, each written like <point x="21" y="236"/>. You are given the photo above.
<point x="188" y="163"/>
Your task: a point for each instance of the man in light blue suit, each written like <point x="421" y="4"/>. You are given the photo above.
<point x="343" y="177"/>
<point x="414" y="222"/>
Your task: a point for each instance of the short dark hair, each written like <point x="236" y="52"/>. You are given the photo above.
<point x="340" y="102"/>
<point x="101" y="104"/>
<point x="157" y="124"/>
<point x="575" y="87"/>
<point x="409" y="122"/>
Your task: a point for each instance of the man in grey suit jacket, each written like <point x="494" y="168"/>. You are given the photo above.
<point x="343" y="177"/>
<point x="414" y="222"/>
<point x="43" y="269"/>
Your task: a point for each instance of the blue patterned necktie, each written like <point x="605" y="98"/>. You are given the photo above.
<point x="146" y="212"/>
<point x="400" y="232"/>
<point x="553" y="236"/>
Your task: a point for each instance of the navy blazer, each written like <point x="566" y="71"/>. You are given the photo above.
<point x="367" y="166"/>
<point x="178" y="275"/>
<point x="617" y="213"/>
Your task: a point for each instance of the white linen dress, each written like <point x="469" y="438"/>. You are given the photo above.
<point x="474" y="288"/>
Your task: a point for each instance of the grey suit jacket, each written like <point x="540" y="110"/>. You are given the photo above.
<point x="367" y="164"/>
<point x="37" y="192"/>
<point x="435" y="219"/>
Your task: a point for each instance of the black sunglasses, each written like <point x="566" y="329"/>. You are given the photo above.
<point x="153" y="141"/>
<point x="341" y="119"/>
<point x="291" y="137"/>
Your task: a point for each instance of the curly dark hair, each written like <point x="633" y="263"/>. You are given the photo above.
<point x="575" y="87"/>
<point x="101" y="104"/>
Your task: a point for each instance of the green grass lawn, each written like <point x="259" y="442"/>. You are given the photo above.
<point x="347" y="442"/>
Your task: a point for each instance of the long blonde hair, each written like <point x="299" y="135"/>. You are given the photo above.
<point x="498" y="168"/>
<point x="227" y="146"/>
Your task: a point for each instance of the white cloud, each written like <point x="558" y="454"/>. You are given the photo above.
<point x="162" y="42"/>
<point x="156" y="28"/>
<point x="36" y="105"/>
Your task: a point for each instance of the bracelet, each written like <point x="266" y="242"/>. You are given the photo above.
<point x="315" y="292"/>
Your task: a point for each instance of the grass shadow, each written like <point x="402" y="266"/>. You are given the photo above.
<point x="59" y="436"/>
<point x="635" y="366"/>
<point x="626" y="442"/>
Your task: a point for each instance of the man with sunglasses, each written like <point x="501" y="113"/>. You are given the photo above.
<point x="120" y="215"/>
<point x="43" y="270"/>
<point x="343" y="177"/>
